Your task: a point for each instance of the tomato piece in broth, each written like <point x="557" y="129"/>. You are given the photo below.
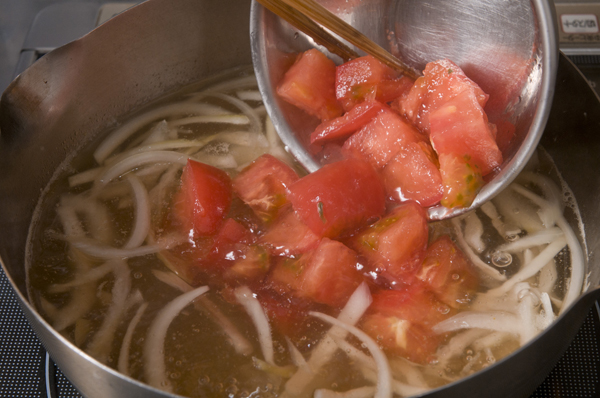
<point x="204" y="198"/>
<point x="401" y="321"/>
<point x="395" y="245"/>
<point x="263" y="186"/>
<point x="288" y="235"/>
<point x="338" y="198"/>
<point x="310" y="85"/>
<point x="448" y="273"/>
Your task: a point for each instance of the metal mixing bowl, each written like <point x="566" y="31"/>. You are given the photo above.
<point x="72" y="94"/>
<point x="508" y="47"/>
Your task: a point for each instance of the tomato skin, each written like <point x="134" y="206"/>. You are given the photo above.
<point x="204" y="198"/>
<point x="389" y="90"/>
<point x="345" y="125"/>
<point x="288" y="235"/>
<point x="310" y="85"/>
<point x="413" y="175"/>
<point x="263" y="186"/>
<point x="338" y="198"/>
<point x="357" y="80"/>
<point x="461" y="127"/>
<point x="395" y="245"/>
<point x="381" y="139"/>
<point x="462" y="180"/>
<point x="448" y="273"/>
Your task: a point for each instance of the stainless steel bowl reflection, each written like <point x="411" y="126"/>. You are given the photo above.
<point x="508" y="47"/>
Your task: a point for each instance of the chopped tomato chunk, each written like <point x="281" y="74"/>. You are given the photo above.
<point x="310" y="85"/>
<point x="396" y="244"/>
<point x="344" y="126"/>
<point x="462" y="180"/>
<point x="263" y="186"/>
<point x="288" y="235"/>
<point x="460" y="127"/>
<point x="358" y="80"/>
<point x="401" y="321"/>
<point x="204" y="198"/>
<point x="338" y="198"/>
<point x="442" y="80"/>
<point x="448" y="273"/>
<point x="381" y="139"/>
<point x="402" y="338"/>
<point x="389" y="90"/>
<point x="326" y="275"/>
<point x="413" y="175"/>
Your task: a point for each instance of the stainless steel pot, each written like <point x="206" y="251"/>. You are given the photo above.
<point x="73" y="93"/>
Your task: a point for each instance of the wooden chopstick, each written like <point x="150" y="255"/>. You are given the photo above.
<point x="308" y="11"/>
<point x="308" y="26"/>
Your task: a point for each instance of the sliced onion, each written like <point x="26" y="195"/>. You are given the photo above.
<point x="474" y="232"/>
<point x="255" y="123"/>
<point x="354" y="309"/>
<point x="499" y="321"/>
<point x="154" y="361"/>
<point x="249" y="95"/>
<point x="532" y="268"/>
<point x="227" y="119"/>
<point x="384" y="374"/>
<point x="236" y="339"/>
<point x="252" y="306"/>
<point x="141" y="224"/>
<point x="101" y="343"/>
<point x="542" y="237"/>
<point x="98" y="250"/>
<point x="93" y="275"/>
<point x="123" y="364"/>
<point x="121" y="134"/>
<point x="486" y="269"/>
<point x="138" y="160"/>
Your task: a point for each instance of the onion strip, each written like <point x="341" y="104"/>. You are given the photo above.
<point x="154" y="362"/>
<point x="123" y="364"/>
<point x="252" y="306"/>
<point x="384" y="374"/>
<point x="140" y="159"/>
<point x="121" y="134"/>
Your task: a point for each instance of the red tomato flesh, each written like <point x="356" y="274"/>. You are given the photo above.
<point x="461" y="127"/>
<point x="310" y="85"/>
<point x="413" y="175"/>
<point x="448" y="273"/>
<point x="204" y="198"/>
<point x="263" y="186"/>
<point x="343" y="126"/>
<point x="396" y="244"/>
<point x="462" y="180"/>
<point x="401" y="321"/>
<point x="381" y="139"/>
<point x="326" y="275"/>
<point x="358" y="80"/>
<point x="288" y="235"/>
<point x="338" y="198"/>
